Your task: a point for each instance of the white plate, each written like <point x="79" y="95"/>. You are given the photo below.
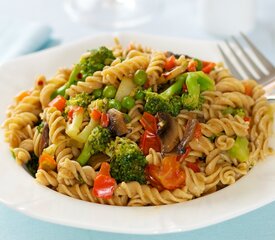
<point x="21" y="192"/>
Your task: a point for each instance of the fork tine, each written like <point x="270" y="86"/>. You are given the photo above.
<point x="268" y="65"/>
<point x="239" y="60"/>
<point x="249" y="59"/>
<point x="230" y="65"/>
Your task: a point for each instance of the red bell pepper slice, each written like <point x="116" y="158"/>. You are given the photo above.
<point x="104" y="120"/>
<point x="73" y="110"/>
<point x="149" y="122"/>
<point x="169" y="174"/>
<point x="149" y="140"/>
<point x="95" y="114"/>
<point x="193" y="166"/>
<point x="208" y="66"/>
<point x="197" y="133"/>
<point x="58" y="102"/>
<point x="104" y="184"/>
<point x="170" y="63"/>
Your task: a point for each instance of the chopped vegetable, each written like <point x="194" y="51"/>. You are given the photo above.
<point x="194" y="166"/>
<point x="149" y="140"/>
<point x="97" y="93"/>
<point x="109" y="91"/>
<point x="185" y="154"/>
<point x="32" y="165"/>
<point x="197" y="133"/>
<point x="81" y="100"/>
<point x="140" y="95"/>
<point x="117" y="122"/>
<point x="248" y="89"/>
<point x="192" y="66"/>
<point x="128" y="102"/>
<point x="240" y="149"/>
<point x="114" y="103"/>
<point x="104" y="120"/>
<point x="95" y="114"/>
<point x="125" y="88"/>
<point x="95" y="60"/>
<point x="169" y="174"/>
<point x="208" y="67"/>
<point x="170" y="63"/>
<point x="234" y="111"/>
<point x="59" y="103"/>
<point x="104" y="184"/>
<point x="140" y="77"/>
<point x="149" y="122"/>
<point x="97" y="142"/>
<point x="47" y="162"/>
<point x="127" y="161"/>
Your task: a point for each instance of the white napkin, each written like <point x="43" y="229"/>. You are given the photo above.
<point x="18" y="38"/>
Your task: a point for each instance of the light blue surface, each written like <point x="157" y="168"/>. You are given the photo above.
<point x="259" y="224"/>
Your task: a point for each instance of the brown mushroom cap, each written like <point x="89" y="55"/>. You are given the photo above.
<point x="117" y="122"/>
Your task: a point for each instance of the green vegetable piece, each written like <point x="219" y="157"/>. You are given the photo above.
<point x="240" y="149"/>
<point x="97" y="93"/>
<point x="167" y="101"/>
<point x="191" y="99"/>
<point x="234" y="111"/>
<point x="109" y="91"/>
<point x="95" y="60"/>
<point x="32" y="165"/>
<point x="206" y="83"/>
<point x="140" y="77"/>
<point x="199" y="66"/>
<point x="113" y="103"/>
<point x="128" y="102"/>
<point x="140" y="95"/>
<point x="81" y="100"/>
<point x="127" y="161"/>
<point x="97" y="142"/>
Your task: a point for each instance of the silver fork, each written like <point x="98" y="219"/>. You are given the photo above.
<point x="267" y="79"/>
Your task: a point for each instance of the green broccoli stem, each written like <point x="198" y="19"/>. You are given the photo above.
<point x="72" y="80"/>
<point x="175" y="88"/>
<point x="85" y="154"/>
<point x="193" y="86"/>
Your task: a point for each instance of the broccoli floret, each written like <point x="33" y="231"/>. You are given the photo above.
<point x="100" y="104"/>
<point x="240" y="149"/>
<point x="97" y="142"/>
<point x="196" y="83"/>
<point x="234" y="111"/>
<point x="127" y="161"/>
<point x="93" y="61"/>
<point x="167" y="101"/>
<point x="81" y="100"/>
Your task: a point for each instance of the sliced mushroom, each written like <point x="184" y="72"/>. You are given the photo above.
<point x="44" y="142"/>
<point x="163" y="119"/>
<point x="96" y="160"/>
<point x="188" y="134"/>
<point x="169" y="133"/>
<point x="117" y="122"/>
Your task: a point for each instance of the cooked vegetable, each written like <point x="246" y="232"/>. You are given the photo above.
<point x="104" y="120"/>
<point x="194" y="166"/>
<point x="59" y="103"/>
<point x="240" y="149"/>
<point x="113" y="103"/>
<point x="81" y="100"/>
<point x="208" y="67"/>
<point x="32" y="165"/>
<point x="104" y="184"/>
<point x="95" y="60"/>
<point x="170" y="63"/>
<point x="109" y="91"/>
<point x="44" y="142"/>
<point x="47" y="162"/>
<point x="167" y="101"/>
<point x="140" y="77"/>
<point x="117" y="122"/>
<point x="97" y="93"/>
<point x="149" y="140"/>
<point x="170" y="135"/>
<point x="127" y="161"/>
<point x="149" y="122"/>
<point x="234" y="111"/>
<point x="140" y="95"/>
<point x="162" y="122"/>
<point x="98" y="158"/>
<point x="125" y="88"/>
<point x="188" y="134"/>
<point x="169" y="175"/>
<point x="128" y="102"/>
<point x="97" y="142"/>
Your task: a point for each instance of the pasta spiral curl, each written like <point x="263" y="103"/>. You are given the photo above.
<point x="57" y="124"/>
<point x="153" y="157"/>
<point x="155" y="67"/>
<point x="22" y="156"/>
<point x="46" y="178"/>
<point x="27" y="144"/>
<point x="135" y="128"/>
<point x="124" y="69"/>
<point x="152" y="196"/>
<point x="231" y="127"/>
<point x="194" y="182"/>
<point x="202" y="144"/>
<point x="88" y="86"/>
<point x="70" y="172"/>
<point x="61" y="77"/>
<point x="224" y="142"/>
<point x="83" y="192"/>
